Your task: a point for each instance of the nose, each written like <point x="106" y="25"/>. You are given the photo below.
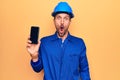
<point x="62" y="21"/>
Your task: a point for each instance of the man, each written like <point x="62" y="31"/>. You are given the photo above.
<point x="61" y="55"/>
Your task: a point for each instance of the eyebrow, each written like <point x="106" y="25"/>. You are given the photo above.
<point x="64" y="16"/>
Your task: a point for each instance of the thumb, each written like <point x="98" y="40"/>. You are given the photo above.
<point x="39" y="42"/>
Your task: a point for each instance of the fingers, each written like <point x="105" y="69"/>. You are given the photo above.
<point x="28" y="43"/>
<point x="38" y="45"/>
<point x="32" y="48"/>
<point x="39" y="42"/>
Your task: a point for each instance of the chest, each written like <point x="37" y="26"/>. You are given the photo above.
<point x="66" y="51"/>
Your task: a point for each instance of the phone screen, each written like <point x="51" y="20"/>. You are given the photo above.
<point x="34" y="33"/>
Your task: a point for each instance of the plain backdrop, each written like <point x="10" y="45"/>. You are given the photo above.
<point x="96" y="21"/>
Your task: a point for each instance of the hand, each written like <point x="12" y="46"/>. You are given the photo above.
<point x="33" y="49"/>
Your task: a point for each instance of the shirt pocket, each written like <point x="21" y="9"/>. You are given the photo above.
<point x="74" y="65"/>
<point x="74" y="60"/>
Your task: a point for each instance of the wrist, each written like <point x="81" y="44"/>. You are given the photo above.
<point x="34" y="59"/>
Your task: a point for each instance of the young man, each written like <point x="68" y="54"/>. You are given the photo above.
<point x="61" y="55"/>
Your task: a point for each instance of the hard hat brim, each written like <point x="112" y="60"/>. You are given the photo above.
<point x="55" y="13"/>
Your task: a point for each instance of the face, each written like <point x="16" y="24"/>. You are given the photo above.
<point x="62" y="22"/>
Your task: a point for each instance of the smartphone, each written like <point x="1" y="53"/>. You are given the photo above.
<point x="34" y="34"/>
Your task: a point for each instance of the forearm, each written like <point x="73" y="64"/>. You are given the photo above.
<point x="84" y="69"/>
<point x="84" y="74"/>
<point x="84" y="66"/>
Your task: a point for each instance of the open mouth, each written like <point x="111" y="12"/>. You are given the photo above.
<point x="61" y="31"/>
<point x="61" y="28"/>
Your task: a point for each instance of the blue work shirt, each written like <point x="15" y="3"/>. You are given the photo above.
<point x="62" y="60"/>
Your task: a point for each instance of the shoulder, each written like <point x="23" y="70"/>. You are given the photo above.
<point x="47" y="38"/>
<point x="76" y="39"/>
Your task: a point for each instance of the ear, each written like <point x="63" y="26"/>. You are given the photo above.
<point x="54" y="20"/>
<point x="70" y="21"/>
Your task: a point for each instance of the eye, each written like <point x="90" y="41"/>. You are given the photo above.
<point x="66" y="18"/>
<point x="58" y="17"/>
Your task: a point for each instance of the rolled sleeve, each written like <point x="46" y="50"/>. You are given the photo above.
<point x="37" y="66"/>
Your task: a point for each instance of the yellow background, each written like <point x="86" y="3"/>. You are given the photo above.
<point x="96" y="21"/>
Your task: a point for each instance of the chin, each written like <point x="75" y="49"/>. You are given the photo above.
<point x="62" y="35"/>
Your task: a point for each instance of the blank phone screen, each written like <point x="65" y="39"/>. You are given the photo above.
<point x="34" y="33"/>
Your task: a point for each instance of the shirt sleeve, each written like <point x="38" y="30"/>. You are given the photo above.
<point x="84" y="67"/>
<point x="37" y="66"/>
